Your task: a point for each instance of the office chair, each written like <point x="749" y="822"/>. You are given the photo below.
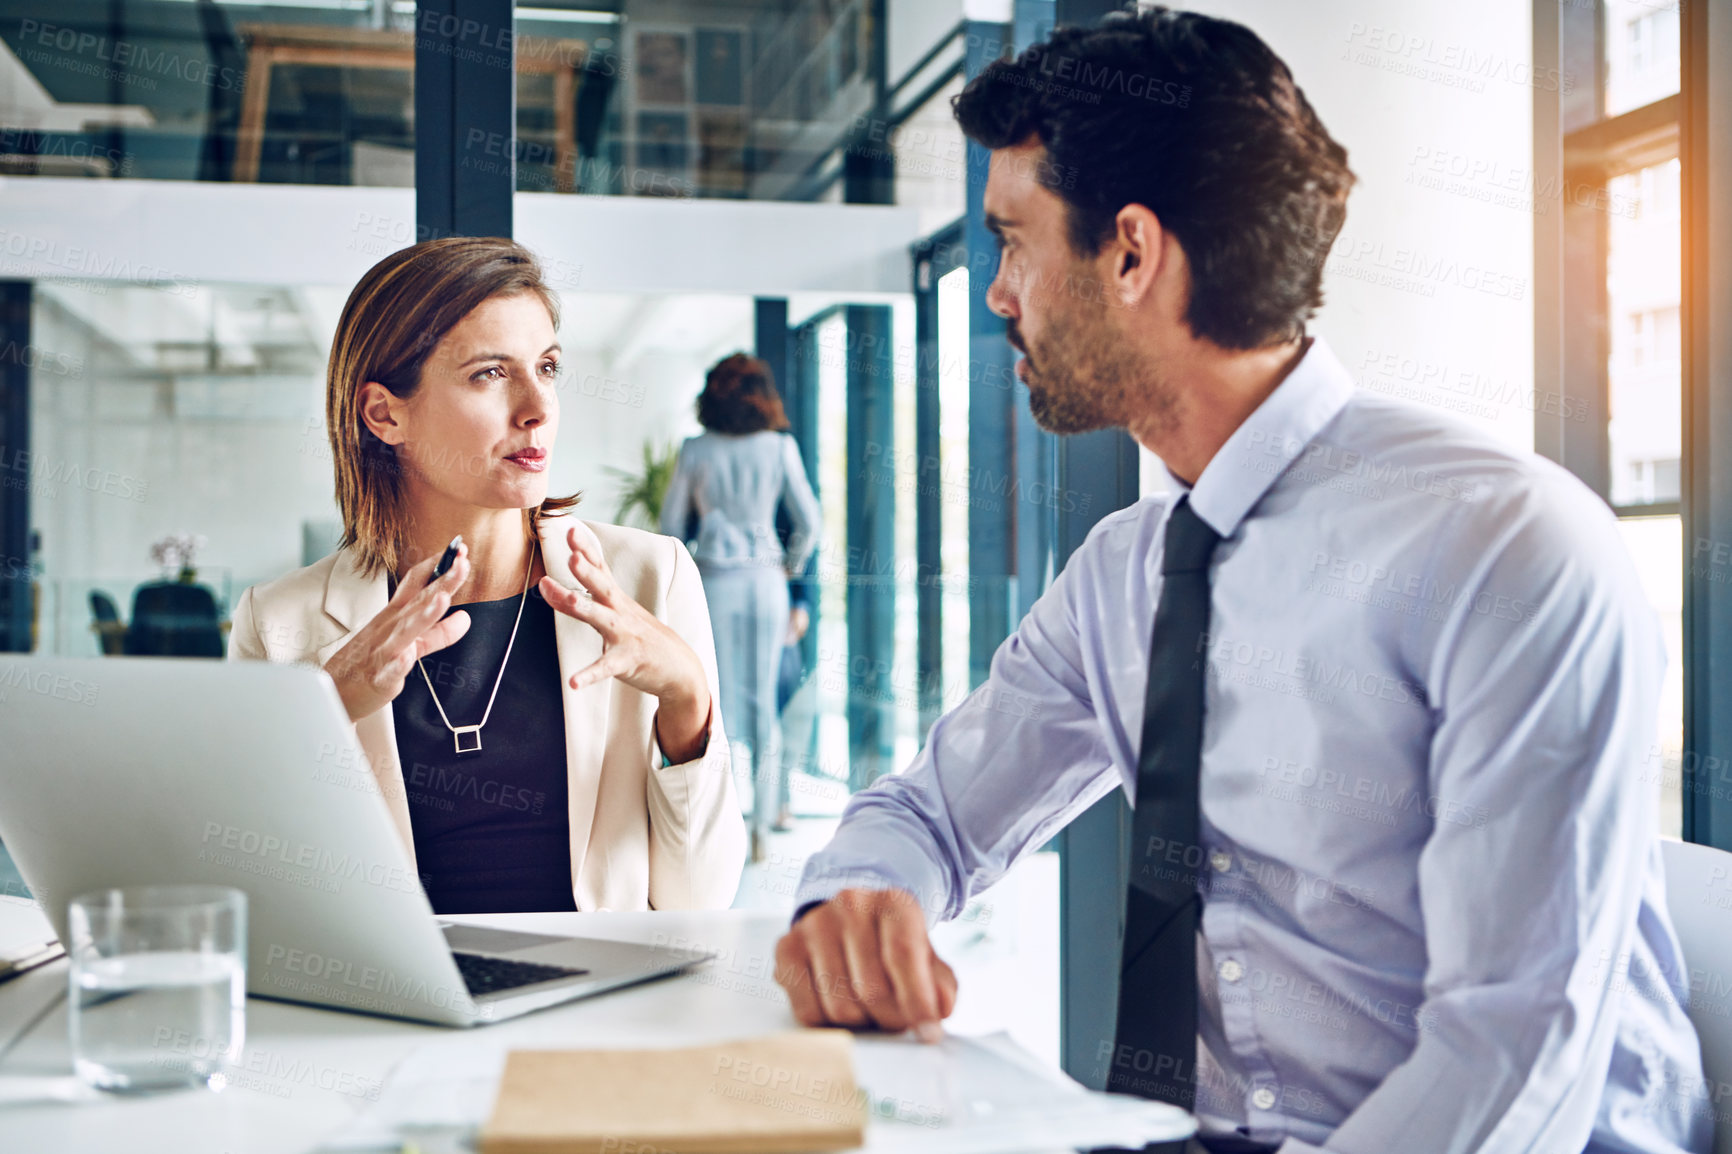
<point x="171" y="619"/>
<point x="1697" y="877"/>
<point x="106" y="624"/>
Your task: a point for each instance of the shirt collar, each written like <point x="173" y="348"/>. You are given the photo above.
<point x="1278" y="431"/>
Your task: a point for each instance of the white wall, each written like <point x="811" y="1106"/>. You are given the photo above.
<point x="1430" y="289"/>
<point x="188" y="232"/>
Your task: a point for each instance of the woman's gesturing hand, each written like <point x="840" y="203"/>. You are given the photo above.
<point x="638" y="648"/>
<point x="370" y="669"/>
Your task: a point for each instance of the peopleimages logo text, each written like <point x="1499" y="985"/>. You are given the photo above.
<point x="59" y="686"/>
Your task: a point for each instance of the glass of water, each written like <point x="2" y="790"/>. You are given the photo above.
<point x="159" y="986"/>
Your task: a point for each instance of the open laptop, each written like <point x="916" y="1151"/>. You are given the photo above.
<point x="135" y="771"/>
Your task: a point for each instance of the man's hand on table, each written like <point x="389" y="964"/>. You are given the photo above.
<point x="863" y="960"/>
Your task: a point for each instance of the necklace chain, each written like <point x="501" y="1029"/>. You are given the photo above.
<point x="458" y="732"/>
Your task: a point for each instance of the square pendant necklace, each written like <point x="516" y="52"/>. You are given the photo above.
<point x="467" y="738"/>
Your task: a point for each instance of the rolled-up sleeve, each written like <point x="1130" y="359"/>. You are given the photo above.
<point x="1000" y="773"/>
<point x="1545" y="677"/>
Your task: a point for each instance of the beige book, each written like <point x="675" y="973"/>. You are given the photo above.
<point x="780" y="1094"/>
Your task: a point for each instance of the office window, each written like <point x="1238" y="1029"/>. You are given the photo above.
<point x="832" y="679"/>
<point x="953" y="463"/>
<point x="1641" y="62"/>
<point x="907" y="575"/>
<point x="1656" y="544"/>
<point x="1622" y="234"/>
<point x="1652" y="336"/>
<point x="1643" y="366"/>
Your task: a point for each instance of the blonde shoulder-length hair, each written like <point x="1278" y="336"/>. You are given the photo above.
<point x="391" y="323"/>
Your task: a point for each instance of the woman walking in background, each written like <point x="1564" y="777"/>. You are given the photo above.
<point x="733" y="476"/>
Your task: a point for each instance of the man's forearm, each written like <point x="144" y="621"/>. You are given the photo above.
<point x="883" y="843"/>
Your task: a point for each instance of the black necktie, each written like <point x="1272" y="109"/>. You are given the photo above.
<point x="1156" y="1045"/>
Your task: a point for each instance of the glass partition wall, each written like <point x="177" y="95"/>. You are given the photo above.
<point x="741" y="99"/>
<point x="1621" y="235"/>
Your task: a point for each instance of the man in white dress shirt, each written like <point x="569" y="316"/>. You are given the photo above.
<point x="1432" y="914"/>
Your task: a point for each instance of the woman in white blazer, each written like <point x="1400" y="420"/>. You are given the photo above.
<point x="541" y="720"/>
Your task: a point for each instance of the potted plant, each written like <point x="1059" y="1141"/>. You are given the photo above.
<point x="641" y="493"/>
<point x="175" y="552"/>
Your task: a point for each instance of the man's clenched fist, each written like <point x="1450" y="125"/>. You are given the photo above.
<point x="863" y="959"/>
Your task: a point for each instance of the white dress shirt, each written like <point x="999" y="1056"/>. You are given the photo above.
<point x="1428" y="810"/>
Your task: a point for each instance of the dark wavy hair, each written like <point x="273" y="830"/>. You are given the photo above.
<point x="740" y="397"/>
<point x="1196" y="119"/>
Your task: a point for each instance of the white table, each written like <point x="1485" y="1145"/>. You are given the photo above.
<point x="305" y="1071"/>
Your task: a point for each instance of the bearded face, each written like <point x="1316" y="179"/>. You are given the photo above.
<point x="1065" y="307"/>
<point x="1077" y="375"/>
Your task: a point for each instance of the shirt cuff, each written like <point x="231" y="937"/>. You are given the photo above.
<point x="819" y="883"/>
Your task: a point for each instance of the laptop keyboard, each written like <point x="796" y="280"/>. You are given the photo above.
<point x="489" y="975"/>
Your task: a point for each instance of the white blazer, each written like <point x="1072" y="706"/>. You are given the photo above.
<point x="642" y="837"/>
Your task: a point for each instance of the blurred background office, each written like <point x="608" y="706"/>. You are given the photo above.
<point x="190" y="188"/>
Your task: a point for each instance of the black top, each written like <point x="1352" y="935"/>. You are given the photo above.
<point x="492" y="829"/>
